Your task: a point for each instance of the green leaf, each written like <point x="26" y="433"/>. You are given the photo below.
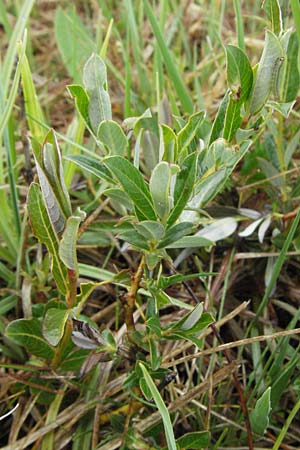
<point x="145" y="388"/>
<point x="190" y="242"/>
<point x="194" y="323"/>
<point x="119" y="200"/>
<point x="81" y="100"/>
<point x="189" y="131"/>
<point x="273" y="12"/>
<point x="218" y="125"/>
<point x="161" y="407"/>
<point x="239" y="73"/>
<point x="151" y="230"/>
<point x="133" y="184"/>
<point x="92" y="165"/>
<point x="175" y="233"/>
<point x="259" y="417"/>
<point x="28" y="333"/>
<point x="67" y="245"/>
<point x="283" y="108"/>
<point x="33" y="109"/>
<point x="136" y="239"/>
<point x="267" y="72"/>
<point x="170" y="144"/>
<point x="160" y="189"/>
<point x="50" y="173"/>
<point x="95" y="83"/>
<point x="184" y="185"/>
<point x="233" y="118"/>
<point x="165" y="282"/>
<point x="42" y="229"/>
<point x="194" y="440"/>
<point x="74" y="41"/>
<point x="155" y="357"/>
<point x="192" y="318"/>
<point x="54" y="325"/>
<point x="289" y="79"/>
<point x="112" y="136"/>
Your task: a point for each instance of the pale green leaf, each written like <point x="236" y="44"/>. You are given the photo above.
<point x="74" y="41"/>
<point x="54" y="325"/>
<point x="191" y="242"/>
<point x="259" y="417"/>
<point x="112" y="136"/>
<point x="160" y="189"/>
<point x="42" y="229"/>
<point x="95" y="83"/>
<point x="67" y="245"/>
<point x="267" y="72"/>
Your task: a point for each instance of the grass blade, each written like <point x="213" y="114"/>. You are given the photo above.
<point x="161" y="407"/>
<point x="171" y="67"/>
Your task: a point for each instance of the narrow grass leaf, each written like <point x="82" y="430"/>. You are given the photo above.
<point x="278" y="265"/>
<point x="74" y="41"/>
<point x="171" y="67"/>
<point x="18" y="31"/>
<point x="32" y="106"/>
<point x="161" y="407"/>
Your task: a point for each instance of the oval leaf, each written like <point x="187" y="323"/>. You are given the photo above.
<point x="95" y="83"/>
<point x="54" y="325"/>
<point x="28" y="333"/>
<point x="160" y="189"/>
<point x="267" y="72"/>
<point x="112" y="136"/>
